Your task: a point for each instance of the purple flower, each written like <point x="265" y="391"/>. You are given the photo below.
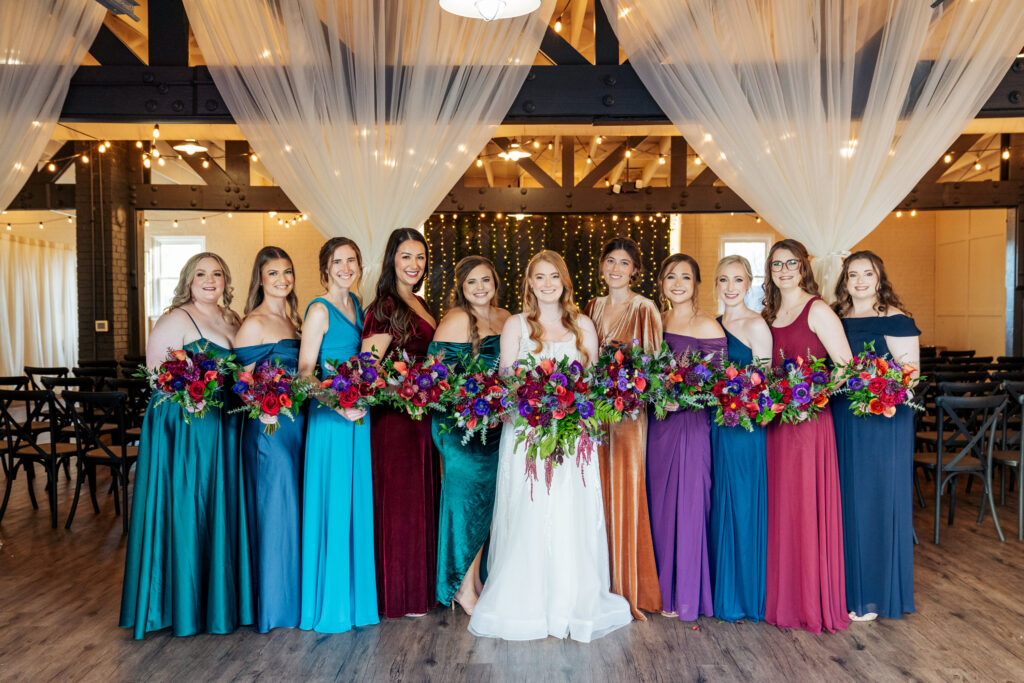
<point x="340" y="383"/>
<point x="208" y="365"/>
<point x="586" y="409"/>
<point x="369" y="374"/>
<point x="440" y="369"/>
<point x="819" y="378"/>
<point x="240" y="388"/>
<point x="559" y="379"/>
<point x="855" y="384"/>
<point x="178" y="383"/>
<point x="801" y="393"/>
<point x="730" y="418"/>
<point x="734" y="387"/>
<point x="622" y="384"/>
<point x="525" y="409"/>
<point x="789" y="365"/>
<point x="545" y="418"/>
<point x="471" y="386"/>
<point x="366" y="356"/>
<point x="424" y="381"/>
<point x="893" y="386"/>
<point x="763" y="401"/>
<point x="481" y="407"/>
<point x="703" y="373"/>
<point x="692" y="378"/>
<point x="576" y="368"/>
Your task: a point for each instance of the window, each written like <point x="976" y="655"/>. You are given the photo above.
<point x="755" y="248"/>
<point x="164" y="262"/>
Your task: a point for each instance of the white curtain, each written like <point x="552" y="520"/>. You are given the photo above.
<point x="42" y="42"/>
<point x="365" y="112"/>
<point x="821" y="114"/>
<point x="38" y="305"/>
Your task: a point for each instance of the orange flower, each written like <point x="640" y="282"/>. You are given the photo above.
<point x="471" y="422"/>
<point x="820" y="400"/>
<point x="875" y="406"/>
<point x="558" y="414"/>
<point x="547" y="365"/>
<point x="401" y="368"/>
<point x="210" y="375"/>
<point x="179" y="354"/>
<point x="881" y="365"/>
<point x="731" y="372"/>
<point x="889" y="411"/>
<point x="245" y="377"/>
<point x="286" y="402"/>
<point x="618" y="356"/>
<point x="640" y="383"/>
<point x="325" y="383"/>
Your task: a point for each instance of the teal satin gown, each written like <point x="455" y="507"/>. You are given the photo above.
<point x="272" y="473"/>
<point x="187" y="564"/>
<point x="467" y="483"/>
<point x="339" y="582"/>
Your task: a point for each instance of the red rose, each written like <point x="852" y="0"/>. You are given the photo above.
<point x="876" y="385"/>
<point x="271" y="405"/>
<point x="348" y="398"/>
<point x="887" y="399"/>
<point x="196" y="390"/>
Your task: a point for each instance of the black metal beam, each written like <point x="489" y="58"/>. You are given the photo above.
<point x="582" y="93"/>
<point x="207" y="198"/>
<point x="529" y="165"/>
<point x="108" y="50"/>
<point x="608" y="163"/>
<point x="44" y="197"/>
<point x="168" y="34"/>
<point x="606" y="43"/>
<point x="558" y="50"/>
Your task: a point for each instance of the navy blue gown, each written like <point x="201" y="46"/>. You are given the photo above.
<point x="739" y="510"/>
<point x="272" y="471"/>
<point x="875" y="468"/>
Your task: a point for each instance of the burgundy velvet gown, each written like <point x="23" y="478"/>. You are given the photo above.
<point x="806" y="582"/>
<point x="405" y="494"/>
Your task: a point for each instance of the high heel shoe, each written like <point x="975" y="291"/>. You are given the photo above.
<point x="467" y="610"/>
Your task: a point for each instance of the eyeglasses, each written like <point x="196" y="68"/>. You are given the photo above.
<point x="791" y="264"/>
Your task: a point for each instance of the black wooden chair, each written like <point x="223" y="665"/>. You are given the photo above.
<point x="956" y="354"/>
<point x="35" y="373"/>
<point x="1010" y="453"/>
<point x="24" y="449"/>
<point x="61" y="416"/>
<point x="969" y="360"/>
<point x="92" y="412"/>
<point x="138" y="392"/>
<point x="964" y="450"/>
<point x="99" y="376"/>
<point x="110" y="364"/>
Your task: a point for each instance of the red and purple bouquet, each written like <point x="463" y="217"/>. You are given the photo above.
<point x="683" y="379"/>
<point x="553" y="415"/>
<point x="619" y="380"/>
<point x="799" y="390"/>
<point x="876" y="385"/>
<point x="190" y="379"/>
<point x="738" y="390"/>
<point x="416" y="386"/>
<point x="268" y="392"/>
<point x="479" y="398"/>
<point x="355" y="383"/>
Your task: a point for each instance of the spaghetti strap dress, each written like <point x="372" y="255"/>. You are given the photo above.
<point x="187" y="564"/>
<point x="806" y="587"/>
<point x="876" y="458"/>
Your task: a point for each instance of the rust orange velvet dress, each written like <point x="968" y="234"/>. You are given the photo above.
<point x="623" y="458"/>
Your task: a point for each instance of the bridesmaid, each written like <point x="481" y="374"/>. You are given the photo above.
<point x="472" y="327"/>
<point x="339" y="585"/>
<point x="405" y="467"/>
<point x="187" y="562"/>
<point x="272" y="464"/>
<point x="738" y="504"/>
<point x="805" y="585"/>
<point x="876" y="453"/>
<point x="679" y="455"/>
<point x="623" y="316"/>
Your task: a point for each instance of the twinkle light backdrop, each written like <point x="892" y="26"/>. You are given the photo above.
<point x="510" y="240"/>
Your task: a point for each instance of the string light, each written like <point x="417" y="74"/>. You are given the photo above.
<point x="597" y="140"/>
<point x="948" y="158"/>
<point x="146" y="162"/>
<point x="146" y="224"/>
<point x="156" y="130"/>
<point x="138" y="143"/>
<point x="254" y="157"/>
<point x="479" y="163"/>
<point x="155" y="153"/>
<point x="40" y="225"/>
<point x="8" y="227"/>
<point x="206" y="163"/>
<point x="85" y="158"/>
<point x="51" y="167"/>
<point x="899" y="214"/>
<point x="1006" y="154"/>
<point x="629" y="153"/>
<point x="203" y="220"/>
<point x="175" y="224"/>
<point x="977" y="166"/>
<point x="913" y="212"/>
<point x="661" y="159"/>
<point x="230" y="215"/>
<point x="697" y="161"/>
<point x="558" y="24"/>
<point x="161" y="161"/>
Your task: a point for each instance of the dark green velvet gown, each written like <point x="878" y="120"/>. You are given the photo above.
<point x="187" y="564"/>
<point x="467" y="483"/>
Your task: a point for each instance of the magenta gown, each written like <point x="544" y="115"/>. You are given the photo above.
<point x="806" y="583"/>
<point x="679" y="491"/>
<point x="405" y="494"/>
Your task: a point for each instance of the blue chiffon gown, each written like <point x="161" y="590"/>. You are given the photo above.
<point x="739" y="512"/>
<point x="339" y="585"/>
<point x="272" y="472"/>
<point x="876" y="456"/>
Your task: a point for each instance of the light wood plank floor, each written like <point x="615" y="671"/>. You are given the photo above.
<point x="60" y="593"/>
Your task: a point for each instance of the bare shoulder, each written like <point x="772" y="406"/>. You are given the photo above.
<point x="453" y="328"/>
<point x="251" y="331"/>
<point x="822" y="311"/>
<point x="171" y="321"/>
<point x="586" y="324"/>
<point x="754" y="325"/>
<point x="511" y="328"/>
<point x="892" y="310"/>
<point x="501" y="315"/>
<point x="706" y="327"/>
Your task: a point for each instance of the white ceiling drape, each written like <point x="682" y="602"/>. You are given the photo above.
<point x="42" y="42"/>
<point x="820" y="114"/>
<point x="365" y="112"/>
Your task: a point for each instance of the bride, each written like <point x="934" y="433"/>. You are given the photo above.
<point x="548" y="560"/>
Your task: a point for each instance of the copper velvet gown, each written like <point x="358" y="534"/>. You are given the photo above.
<point x="623" y="459"/>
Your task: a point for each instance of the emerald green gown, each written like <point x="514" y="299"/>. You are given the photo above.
<point x="187" y="565"/>
<point x="467" y="482"/>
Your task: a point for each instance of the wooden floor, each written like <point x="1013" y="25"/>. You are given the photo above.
<point x="60" y="593"/>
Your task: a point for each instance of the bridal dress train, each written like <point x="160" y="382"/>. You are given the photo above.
<point x="548" y="563"/>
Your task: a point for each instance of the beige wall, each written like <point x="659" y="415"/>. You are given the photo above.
<point x="970" y="288"/>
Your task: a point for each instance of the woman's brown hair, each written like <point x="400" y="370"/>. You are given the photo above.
<point x="327" y="255"/>
<point x="772" y="295"/>
<point x="256" y="296"/>
<point x="666" y="266"/>
<point x="630" y="247"/>
<point x="885" y="295"/>
<point x="458" y="297"/>
<point x="570" y="311"/>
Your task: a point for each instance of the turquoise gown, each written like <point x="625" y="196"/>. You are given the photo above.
<point x="467" y="482"/>
<point x="739" y="512"/>
<point x="339" y="585"/>
<point x="187" y="563"/>
<point x="272" y="473"/>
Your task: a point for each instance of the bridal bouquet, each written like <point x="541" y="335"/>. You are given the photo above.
<point x="479" y="398"/>
<point x="354" y="383"/>
<point x="798" y="391"/>
<point x="876" y="385"/>
<point x="416" y="386"/>
<point x="267" y="392"/>
<point x="737" y="392"/>
<point x="619" y="380"/>
<point x="684" y="379"/>
<point x="190" y="379"/>
<point x="553" y="415"/>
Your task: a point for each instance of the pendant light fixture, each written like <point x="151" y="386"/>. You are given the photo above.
<point x="489" y="10"/>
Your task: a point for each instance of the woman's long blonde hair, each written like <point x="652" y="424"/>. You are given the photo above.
<point x="570" y="311"/>
<point x="183" y="290"/>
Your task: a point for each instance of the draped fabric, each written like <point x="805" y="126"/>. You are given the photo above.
<point x="366" y="113"/>
<point x="38" y="305"/>
<point x="820" y="114"/>
<point x="42" y="42"/>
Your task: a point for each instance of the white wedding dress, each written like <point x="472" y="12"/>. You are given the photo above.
<point x="547" y="568"/>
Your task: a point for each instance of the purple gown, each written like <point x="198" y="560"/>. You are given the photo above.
<point x="679" y="491"/>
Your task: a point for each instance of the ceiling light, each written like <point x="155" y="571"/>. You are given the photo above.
<point x="514" y="153"/>
<point x="489" y="10"/>
<point x="190" y="147"/>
